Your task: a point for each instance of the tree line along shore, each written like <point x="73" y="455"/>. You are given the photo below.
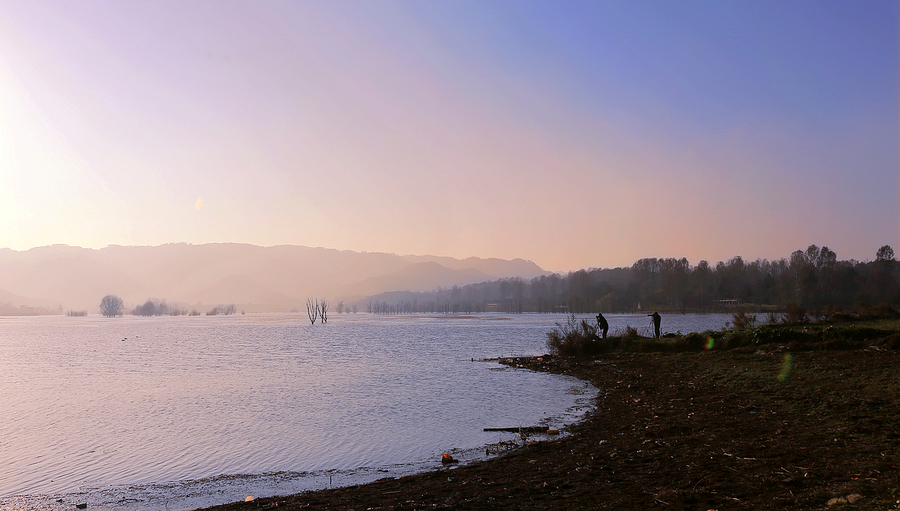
<point x="811" y="279"/>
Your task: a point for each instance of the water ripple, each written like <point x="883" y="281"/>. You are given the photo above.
<point x="143" y="406"/>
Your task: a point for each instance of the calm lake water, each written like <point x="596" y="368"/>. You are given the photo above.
<point x="180" y="412"/>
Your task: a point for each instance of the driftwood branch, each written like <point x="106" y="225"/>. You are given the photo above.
<point x="531" y="429"/>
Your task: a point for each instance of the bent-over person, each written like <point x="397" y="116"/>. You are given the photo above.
<point x="602" y="324"/>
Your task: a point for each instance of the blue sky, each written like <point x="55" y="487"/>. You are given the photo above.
<point x="574" y="134"/>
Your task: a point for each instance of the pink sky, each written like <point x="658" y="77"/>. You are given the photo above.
<point x="574" y="135"/>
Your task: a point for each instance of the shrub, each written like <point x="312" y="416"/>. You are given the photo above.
<point x="736" y="340"/>
<point x="740" y="320"/>
<point x="696" y="340"/>
<point x="630" y="333"/>
<point x="222" y="309"/>
<point x="574" y="338"/>
<point x="794" y="315"/>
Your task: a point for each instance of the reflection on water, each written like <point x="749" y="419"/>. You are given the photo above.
<point x="148" y="413"/>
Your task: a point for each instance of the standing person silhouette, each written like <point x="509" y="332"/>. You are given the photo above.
<point x="656" y="321"/>
<point x="602" y="324"/>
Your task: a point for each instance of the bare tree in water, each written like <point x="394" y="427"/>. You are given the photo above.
<point x="312" y="310"/>
<point x="323" y="311"/>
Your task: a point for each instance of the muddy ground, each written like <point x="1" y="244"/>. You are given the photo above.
<point x="712" y="430"/>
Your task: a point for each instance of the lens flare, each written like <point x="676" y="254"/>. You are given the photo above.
<point x="785" y="367"/>
<point x="198" y="204"/>
<point x="710" y="343"/>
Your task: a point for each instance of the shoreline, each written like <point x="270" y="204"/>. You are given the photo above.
<point x="695" y="430"/>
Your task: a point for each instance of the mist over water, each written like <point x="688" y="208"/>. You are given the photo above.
<point x="150" y="413"/>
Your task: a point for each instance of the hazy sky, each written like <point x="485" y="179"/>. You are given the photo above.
<point x="573" y="134"/>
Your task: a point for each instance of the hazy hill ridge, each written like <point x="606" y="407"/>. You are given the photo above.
<point x="256" y="278"/>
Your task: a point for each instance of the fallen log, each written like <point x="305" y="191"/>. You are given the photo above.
<point x="530" y="429"/>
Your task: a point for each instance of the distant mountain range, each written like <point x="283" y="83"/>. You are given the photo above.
<point x="252" y="277"/>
